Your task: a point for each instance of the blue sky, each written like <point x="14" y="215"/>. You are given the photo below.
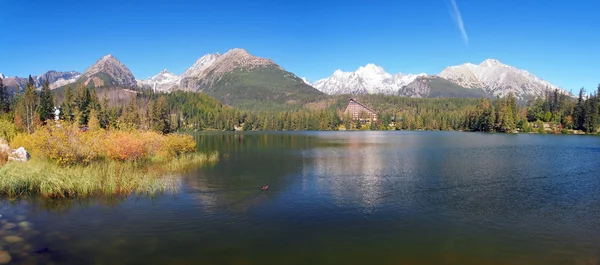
<point x="555" y="40"/>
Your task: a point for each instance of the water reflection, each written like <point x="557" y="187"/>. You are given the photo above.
<point x="344" y="198"/>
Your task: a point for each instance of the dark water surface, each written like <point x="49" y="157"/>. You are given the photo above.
<point x="342" y="198"/>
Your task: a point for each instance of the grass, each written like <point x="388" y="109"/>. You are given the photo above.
<point x="42" y="177"/>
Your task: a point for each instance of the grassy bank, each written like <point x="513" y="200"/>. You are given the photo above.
<point x="69" y="162"/>
<point x="102" y="177"/>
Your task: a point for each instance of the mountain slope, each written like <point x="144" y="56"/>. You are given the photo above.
<point x="368" y="79"/>
<point x="437" y="87"/>
<point x="498" y="79"/>
<point x="55" y="78"/>
<point x="240" y="79"/>
<point x="108" y="72"/>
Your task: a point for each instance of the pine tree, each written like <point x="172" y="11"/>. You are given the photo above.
<point x="4" y="98"/>
<point x="94" y="100"/>
<point x="46" y="107"/>
<point x="579" y="111"/>
<point x="104" y="115"/>
<point x="82" y="104"/>
<point x="66" y="108"/>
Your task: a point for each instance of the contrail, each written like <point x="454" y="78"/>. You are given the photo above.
<point x="459" y="22"/>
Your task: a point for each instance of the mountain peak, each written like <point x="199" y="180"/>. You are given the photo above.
<point x="109" y="67"/>
<point x="490" y="63"/>
<point x="164" y="71"/>
<point x="238" y="51"/>
<point x="371" y="68"/>
<point x="497" y="79"/>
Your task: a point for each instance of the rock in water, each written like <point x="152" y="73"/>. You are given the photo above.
<point x="13" y="239"/>
<point x="8" y="226"/>
<point x="25" y="225"/>
<point x="19" y="155"/>
<point x="4" y="257"/>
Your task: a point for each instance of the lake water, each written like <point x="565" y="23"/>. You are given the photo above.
<point x="341" y="198"/>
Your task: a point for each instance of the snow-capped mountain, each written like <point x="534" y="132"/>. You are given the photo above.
<point x="55" y="78"/>
<point x="162" y="82"/>
<point x="498" y="79"/>
<point x="2" y="76"/>
<point x="368" y="79"/>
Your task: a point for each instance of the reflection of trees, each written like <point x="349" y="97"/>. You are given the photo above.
<point x="250" y="161"/>
<point x="39" y="203"/>
<point x="250" y="141"/>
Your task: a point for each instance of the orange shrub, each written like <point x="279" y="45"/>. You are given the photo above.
<point x="125" y="146"/>
<point x="67" y="144"/>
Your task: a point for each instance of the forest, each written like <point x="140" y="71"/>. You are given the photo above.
<point x="91" y="108"/>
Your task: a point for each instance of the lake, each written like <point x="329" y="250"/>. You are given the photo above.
<point x="340" y="198"/>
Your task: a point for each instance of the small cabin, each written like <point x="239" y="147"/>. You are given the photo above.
<point x="357" y="111"/>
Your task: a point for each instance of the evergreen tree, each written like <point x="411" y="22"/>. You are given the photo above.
<point x="4" y="98"/>
<point x="94" y="100"/>
<point x="579" y="111"/>
<point x="104" y="115"/>
<point x="66" y="108"/>
<point x="82" y="104"/>
<point x="46" y="106"/>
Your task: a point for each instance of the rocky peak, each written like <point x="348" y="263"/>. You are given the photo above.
<point x="235" y="58"/>
<point x="164" y="71"/>
<point x="112" y="67"/>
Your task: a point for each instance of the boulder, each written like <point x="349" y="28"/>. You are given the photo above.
<point x="19" y="155"/>
<point x="13" y="239"/>
<point x="4" y="257"/>
<point x="8" y="226"/>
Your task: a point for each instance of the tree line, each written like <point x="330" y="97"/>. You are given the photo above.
<point x="188" y="111"/>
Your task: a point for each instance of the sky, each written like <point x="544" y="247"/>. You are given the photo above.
<point x="556" y="40"/>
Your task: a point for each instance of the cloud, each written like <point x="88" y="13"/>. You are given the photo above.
<point x="459" y="22"/>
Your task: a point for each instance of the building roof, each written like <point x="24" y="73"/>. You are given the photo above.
<point x="362" y="105"/>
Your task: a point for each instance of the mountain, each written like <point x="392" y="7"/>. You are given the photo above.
<point x="164" y="81"/>
<point x="498" y="79"/>
<point x="436" y="87"/>
<point x="191" y="75"/>
<point x="240" y="79"/>
<point x="55" y="78"/>
<point x="108" y="72"/>
<point x="368" y="79"/>
<point x="2" y="76"/>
